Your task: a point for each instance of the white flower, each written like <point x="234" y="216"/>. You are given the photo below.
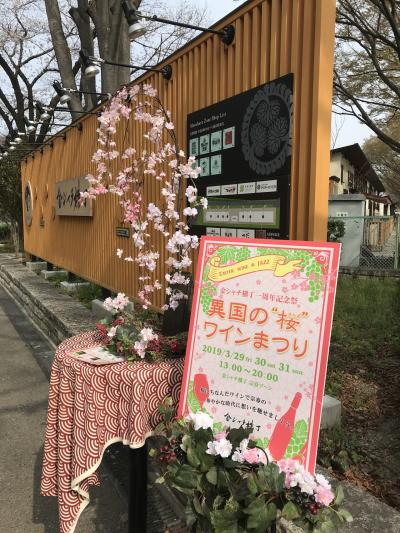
<point x="223" y="447"/>
<point x="116" y="304"/>
<point x="204" y="202"/>
<point x="191" y="193"/>
<point x="112" y="331"/>
<point x="307" y="483"/>
<point x="108" y="304"/>
<point x="147" y="335"/>
<point x="120" y="252"/>
<point x="190" y="211"/>
<point x="200" y="420"/>
<point x="140" y="349"/>
<point x="321" y="480"/>
<point x="237" y="456"/>
<point x="211" y="448"/>
<point x="243" y="445"/>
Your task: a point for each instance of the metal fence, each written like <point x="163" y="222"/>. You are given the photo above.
<point x="370" y="242"/>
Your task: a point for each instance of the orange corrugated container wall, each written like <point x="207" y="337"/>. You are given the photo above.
<point x="273" y="38"/>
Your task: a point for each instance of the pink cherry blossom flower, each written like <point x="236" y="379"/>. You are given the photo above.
<point x="323" y="495"/>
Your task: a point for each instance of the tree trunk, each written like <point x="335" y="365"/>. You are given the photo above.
<point x="15" y="236"/>
<point x="81" y="18"/>
<point x="62" y="52"/>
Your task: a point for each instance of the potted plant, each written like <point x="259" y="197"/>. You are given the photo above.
<point x="134" y="333"/>
<point x="232" y="485"/>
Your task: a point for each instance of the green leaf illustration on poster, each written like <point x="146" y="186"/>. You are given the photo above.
<point x="262" y="443"/>
<point x="298" y="439"/>
<point x="193" y="402"/>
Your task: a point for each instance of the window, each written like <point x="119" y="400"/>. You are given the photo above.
<point x="341" y="173"/>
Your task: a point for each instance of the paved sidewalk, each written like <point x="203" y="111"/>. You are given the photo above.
<point x="23" y="405"/>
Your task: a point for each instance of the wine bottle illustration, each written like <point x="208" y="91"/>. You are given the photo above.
<point x="200" y="388"/>
<point x="283" y="430"/>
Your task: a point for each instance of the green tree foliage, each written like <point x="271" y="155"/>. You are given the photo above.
<point x="386" y="161"/>
<point x="336" y="230"/>
<point x="367" y="81"/>
<point x="11" y="200"/>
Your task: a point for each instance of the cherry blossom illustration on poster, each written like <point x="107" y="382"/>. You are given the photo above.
<point x="259" y="340"/>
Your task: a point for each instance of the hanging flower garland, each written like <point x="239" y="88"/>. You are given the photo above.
<point x="165" y="164"/>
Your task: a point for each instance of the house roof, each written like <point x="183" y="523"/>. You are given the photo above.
<point x="358" y="159"/>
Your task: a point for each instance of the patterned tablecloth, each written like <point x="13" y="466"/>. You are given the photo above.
<point x="91" y="407"/>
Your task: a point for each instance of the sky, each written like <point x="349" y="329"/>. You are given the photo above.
<point x="350" y="129"/>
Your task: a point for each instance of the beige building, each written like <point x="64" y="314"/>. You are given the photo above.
<point x="352" y="173"/>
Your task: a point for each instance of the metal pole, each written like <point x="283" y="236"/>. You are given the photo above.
<point x="137" y="513"/>
<point x="397" y="243"/>
<point x="180" y="24"/>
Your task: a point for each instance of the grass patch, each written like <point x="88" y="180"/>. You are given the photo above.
<point x="88" y="293"/>
<point x="7" y="248"/>
<point x="366" y="320"/>
<point x="364" y="373"/>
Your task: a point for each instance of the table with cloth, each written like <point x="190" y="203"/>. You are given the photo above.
<point x="91" y="407"/>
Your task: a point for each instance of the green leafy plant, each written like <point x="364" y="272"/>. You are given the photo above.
<point x="336" y="230"/>
<point x="125" y="330"/>
<point x="232" y="486"/>
<point x="5" y="232"/>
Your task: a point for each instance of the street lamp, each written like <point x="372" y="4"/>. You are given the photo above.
<point x="90" y="69"/>
<point x="65" y="93"/>
<point x="43" y="112"/>
<point x="90" y="63"/>
<point x="30" y="128"/>
<point x="133" y="16"/>
<point x="33" y="124"/>
<point x="64" y="97"/>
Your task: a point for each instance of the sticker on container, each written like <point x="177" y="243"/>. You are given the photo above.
<point x="247" y="188"/>
<point x="246" y="233"/>
<point x="216" y="141"/>
<point x="228" y="232"/>
<point x="214" y="191"/>
<point x="216" y="165"/>
<point x="213" y="215"/>
<point x="267" y="186"/>
<point x="204" y="144"/>
<point x="229" y="138"/>
<point x="213" y="231"/>
<point x="205" y="166"/>
<point x="194" y="147"/>
<point x="229" y="189"/>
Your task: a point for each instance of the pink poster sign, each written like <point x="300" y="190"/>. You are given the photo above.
<point x="259" y="339"/>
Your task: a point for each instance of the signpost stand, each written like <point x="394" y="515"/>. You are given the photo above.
<point x="137" y="521"/>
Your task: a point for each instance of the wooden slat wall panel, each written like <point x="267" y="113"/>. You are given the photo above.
<point x="273" y="38"/>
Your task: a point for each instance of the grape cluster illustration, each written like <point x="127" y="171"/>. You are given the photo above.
<point x="298" y="439"/>
<point x="310" y="267"/>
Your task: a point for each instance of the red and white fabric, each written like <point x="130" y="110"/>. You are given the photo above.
<point x="91" y="407"/>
